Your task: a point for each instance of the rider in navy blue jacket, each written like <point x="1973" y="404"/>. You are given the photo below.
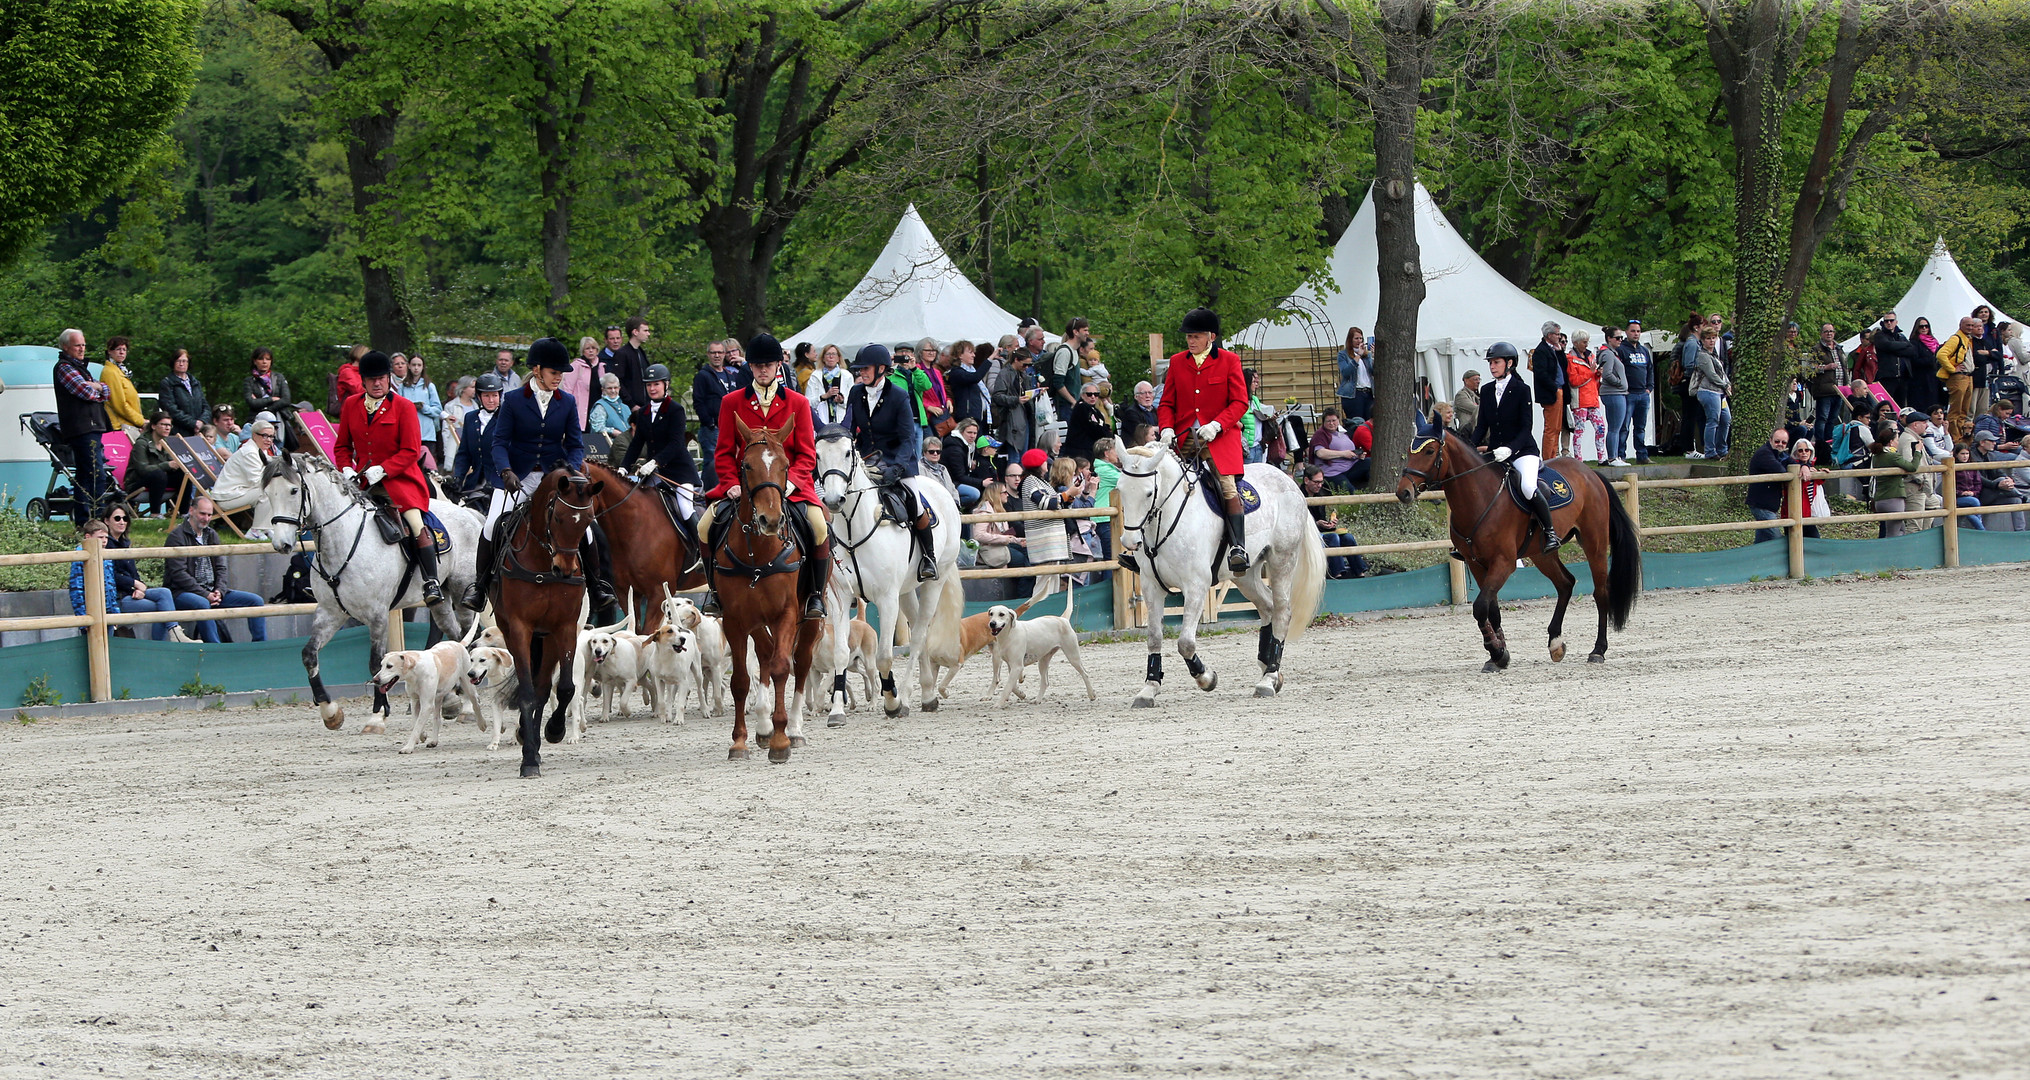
<point x="1506" y="427"/>
<point x="881" y="417"/>
<point x="535" y="431"/>
<point x="474" y="461"/>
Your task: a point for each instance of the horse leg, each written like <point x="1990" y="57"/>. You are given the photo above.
<point x="1187" y="640"/>
<point x="806" y="643"/>
<point x="1272" y="599"/>
<point x="327" y="624"/>
<point x="1487" y="609"/>
<point x="779" y="665"/>
<point x="736" y="655"/>
<point x="1554" y="568"/>
<point x="1152" y="602"/>
<point x="525" y="643"/>
<point x="556" y="673"/>
<point x="884" y="659"/>
<point x="1594" y="544"/>
<point x="377" y="648"/>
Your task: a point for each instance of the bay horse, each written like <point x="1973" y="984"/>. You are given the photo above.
<point x="1178" y="542"/>
<point x="767" y="610"/>
<point x="538" y="596"/>
<point x="649" y="552"/>
<point x="1491" y="531"/>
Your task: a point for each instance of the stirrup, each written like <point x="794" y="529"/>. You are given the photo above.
<point x="474" y="598"/>
<point x="711" y="604"/>
<point x="814" y="606"/>
<point x="926" y="568"/>
<point x="433" y="591"/>
<point x="1237" y="559"/>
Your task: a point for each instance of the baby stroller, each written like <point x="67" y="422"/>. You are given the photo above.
<point x="56" y="500"/>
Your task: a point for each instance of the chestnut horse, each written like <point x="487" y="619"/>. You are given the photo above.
<point x="537" y="598"/>
<point x="649" y="552"/>
<point x="766" y="608"/>
<point x="1491" y="532"/>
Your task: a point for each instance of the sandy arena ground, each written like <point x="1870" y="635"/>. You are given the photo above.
<point x="1755" y="844"/>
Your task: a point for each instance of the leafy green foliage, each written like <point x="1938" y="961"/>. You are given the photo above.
<point x="37" y="692"/>
<point x="197" y="687"/>
<point x="86" y="89"/>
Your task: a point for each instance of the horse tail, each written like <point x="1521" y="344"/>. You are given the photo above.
<point x="1624" y="565"/>
<point x="951" y="607"/>
<point x="1307" y="586"/>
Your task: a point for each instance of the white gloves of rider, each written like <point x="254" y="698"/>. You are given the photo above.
<point x="1208" y="431"/>
<point x="349" y="472"/>
<point x="647" y="470"/>
<point x="1501" y="453"/>
<point x="373" y="475"/>
<point x="1169" y="437"/>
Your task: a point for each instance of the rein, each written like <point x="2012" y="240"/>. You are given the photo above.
<point x="841" y="533"/>
<point x="303" y="524"/>
<point x="1425" y="480"/>
<point x="1188" y="474"/>
<point x="783" y="534"/>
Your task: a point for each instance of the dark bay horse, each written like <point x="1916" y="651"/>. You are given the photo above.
<point x="649" y="552"/>
<point x="537" y="597"/>
<point x="1491" y="531"/>
<point x="757" y="568"/>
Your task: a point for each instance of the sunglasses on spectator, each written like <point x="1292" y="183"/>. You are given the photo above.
<point x="117" y="517"/>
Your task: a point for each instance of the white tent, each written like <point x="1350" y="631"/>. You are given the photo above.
<point x="912" y="291"/>
<point x="1467" y="304"/>
<point x="1941" y="293"/>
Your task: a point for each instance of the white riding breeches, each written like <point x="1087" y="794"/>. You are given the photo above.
<point x="1525" y="468"/>
<point x="504" y="500"/>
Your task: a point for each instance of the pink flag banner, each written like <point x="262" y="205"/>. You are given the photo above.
<point x="320" y="429"/>
<point x="118" y="449"/>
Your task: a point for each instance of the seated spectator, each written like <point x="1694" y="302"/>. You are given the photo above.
<point x="610" y="417"/>
<point x="1327" y="520"/>
<point x="1091" y="418"/>
<point x="136" y="594"/>
<point x="1996" y="419"/>
<point x="151" y="467"/>
<point x="1443" y="413"/>
<point x="239" y="481"/>
<point x="1765" y="499"/>
<point x="1998" y="488"/>
<point x="1333" y="450"/>
<point x="92" y="528"/>
<point x="1890" y="491"/>
<point x="1000" y="544"/>
<point x="199" y="581"/>
<point x="1967" y="485"/>
<point x="226" y="436"/>
<point x="931" y="464"/>
<point x="987" y="461"/>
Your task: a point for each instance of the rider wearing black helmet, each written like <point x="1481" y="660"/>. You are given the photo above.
<point x="469" y="467"/>
<point x="882" y="418"/>
<point x="660" y="434"/>
<point x="1505" y="428"/>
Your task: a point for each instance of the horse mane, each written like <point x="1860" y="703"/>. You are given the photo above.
<point x="1474" y="457"/>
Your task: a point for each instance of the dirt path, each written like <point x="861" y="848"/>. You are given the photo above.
<point x="1754" y="844"/>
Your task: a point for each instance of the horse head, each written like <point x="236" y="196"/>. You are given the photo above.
<point x="837" y="464"/>
<point x="1425" y="466"/>
<point x="1146" y="473"/>
<point x="563" y="507"/>
<point x="282" y="488"/>
<point x="764" y="476"/>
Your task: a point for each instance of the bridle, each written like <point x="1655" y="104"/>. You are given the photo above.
<point x="1152" y="540"/>
<point x="749" y="491"/>
<point x="512" y="565"/>
<point x="302" y="523"/>
<point x="1438" y="477"/>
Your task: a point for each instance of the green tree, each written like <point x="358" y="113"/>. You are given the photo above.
<point x="87" y="90"/>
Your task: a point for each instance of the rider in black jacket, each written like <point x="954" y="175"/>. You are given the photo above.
<point x="1506" y="429"/>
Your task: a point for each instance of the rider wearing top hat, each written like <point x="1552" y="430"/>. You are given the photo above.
<point x="766" y="404"/>
<point x="380" y="442"/>
<point x="535" y="431"/>
<point x="1505" y="424"/>
<point x="1204" y="393"/>
<point x="883" y="421"/>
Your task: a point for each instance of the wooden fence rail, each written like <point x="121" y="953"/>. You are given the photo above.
<point x="98" y="623"/>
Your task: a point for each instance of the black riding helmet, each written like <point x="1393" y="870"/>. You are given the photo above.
<point x="1501" y="350"/>
<point x="656" y="373"/>
<point x="870" y="355"/>
<point x="489" y="383"/>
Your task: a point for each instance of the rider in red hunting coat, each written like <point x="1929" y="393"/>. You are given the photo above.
<point x="766" y="404"/>
<point x="381" y="443"/>
<point x="1205" y="396"/>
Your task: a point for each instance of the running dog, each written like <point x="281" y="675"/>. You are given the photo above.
<point x="674" y="667"/>
<point x="490" y="680"/>
<point x="713" y="655"/>
<point x="432" y="676"/>
<point x="1018" y="644"/>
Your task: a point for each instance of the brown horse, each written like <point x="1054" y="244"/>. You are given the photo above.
<point x="1490" y="531"/>
<point x="537" y="597"/>
<point x="766" y="608"/>
<point x="649" y="551"/>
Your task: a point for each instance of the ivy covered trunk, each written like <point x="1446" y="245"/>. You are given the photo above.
<point x="1755" y="65"/>
<point x="1407" y="27"/>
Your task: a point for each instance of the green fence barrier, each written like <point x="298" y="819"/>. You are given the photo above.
<point x="1911" y="551"/>
<point x="161" y="668"/>
<point x="61" y="663"/>
<point x="1977" y="547"/>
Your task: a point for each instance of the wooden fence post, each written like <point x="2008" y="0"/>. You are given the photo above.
<point x="1795" y="531"/>
<point x="98" y="654"/>
<point x="1631" y="501"/>
<point x="395" y="642"/>
<point x="1123" y="579"/>
<point x="1459" y="597"/>
<point x="1952" y="511"/>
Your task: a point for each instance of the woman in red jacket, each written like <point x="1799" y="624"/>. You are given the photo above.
<point x="381" y="443"/>
<point x="1205" y="394"/>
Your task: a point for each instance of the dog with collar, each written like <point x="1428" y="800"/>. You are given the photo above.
<point x="1018" y="643"/>
<point x="433" y="676"/>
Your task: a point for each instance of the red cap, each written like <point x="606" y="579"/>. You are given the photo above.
<point x="1034" y="459"/>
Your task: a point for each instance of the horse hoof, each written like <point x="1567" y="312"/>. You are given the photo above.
<point x="553" y="731"/>
<point x="1489" y="668"/>
<point x="1210" y="682"/>
<point x="1557" y="650"/>
<point x="531" y="772"/>
<point x="374" y="729"/>
<point x="1502" y="660"/>
<point x="796" y="741"/>
<point x="836" y="720"/>
<point x="1265" y="691"/>
<point x="335" y="719"/>
<point x="897" y="712"/>
<point x="930" y="706"/>
<point x="1142" y="703"/>
<point x="778" y="757"/>
<point x="1596" y="658"/>
<point x="738" y="753"/>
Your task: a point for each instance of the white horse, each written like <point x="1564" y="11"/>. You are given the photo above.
<point x="873" y="561"/>
<point x="1176" y="538"/>
<point x="355" y="571"/>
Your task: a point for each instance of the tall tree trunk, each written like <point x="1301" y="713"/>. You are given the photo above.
<point x="1408" y="27"/>
<point x="983" y="209"/>
<point x="338" y="32"/>
<point x="556" y="143"/>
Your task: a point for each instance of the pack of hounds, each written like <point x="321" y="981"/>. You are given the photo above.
<point x="684" y="662"/>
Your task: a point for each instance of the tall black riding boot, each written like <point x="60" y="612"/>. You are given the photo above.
<point x="716" y="536"/>
<point x="1236" y="536"/>
<point x="687" y="531"/>
<point x="926" y="546"/>
<point x="818" y="567"/>
<point x="595" y="561"/>
<point x="1542" y="511"/>
<point x="425" y="550"/>
<point x="482" y="577"/>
